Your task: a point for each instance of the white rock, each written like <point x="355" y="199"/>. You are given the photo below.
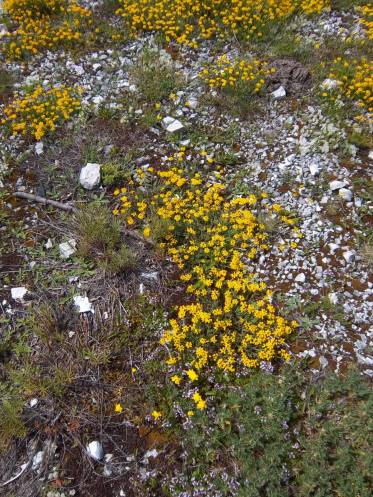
<point x="349" y="256"/>
<point x="175" y="126"/>
<point x="67" y="249"/>
<point x="300" y="278"/>
<point x="83" y="304"/>
<point x="370" y="155"/>
<point x="333" y="297"/>
<point x="98" y="99"/>
<point x="148" y="454"/>
<point x="18" y="293"/>
<point x="171" y="125"/>
<point x="346" y="194"/>
<point x="39" y="148"/>
<point x="337" y="185"/>
<point x="49" y="244"/>
<point x="314" y="169"/>
<point x="279" y="93"/>
<point x="3" y="29"/>
<point x="95" y="450"/>
<point x="37" y="459"/>
<point x="333" y="247"/>
<point x="90" y="176"/>
<point x="78" y="69"/>
<point x="151" y="275"/>
<point x="192" y="103"/>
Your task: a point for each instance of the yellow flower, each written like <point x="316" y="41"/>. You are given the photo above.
<point x="176" y="379"/>
<point x="146" y="232"/>
<point x="193" y="376"/>
<point x="118" y="408"/>
<point x="156" y="415"/>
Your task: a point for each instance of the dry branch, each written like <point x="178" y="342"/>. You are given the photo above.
<point x="45" y="201"/>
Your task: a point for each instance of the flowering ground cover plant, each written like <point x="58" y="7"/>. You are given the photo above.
<point x="229" y="325"/>
<point x="240" y="75"/>
<point x="44" y="24"/>
<point x="38" y="111"/>
<point x="366" y="12"/>
<point x="186" y="21"/>
<point x="351" y="82"/>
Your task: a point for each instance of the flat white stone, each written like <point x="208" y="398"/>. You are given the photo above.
<point x="346" y="194"/>
<point x="49" y="244"/>
<point x="37" y="459"/>
<point x="314" y="169"/>
<point x="90" y="176"/>
<point x="300" y="278"/>
<point x="39" y="148"/>
<point x="192" y="103"/>
<point x="95" y="450"/>
<point x="18" y="293"/>
<point x="349" y="256"/>
<point x="67" y="249"/>
<point x="337" y="185"/>
<point x="279" y="93"/>
<point x="83" y="304"/>
<point x="98" y="99"/>
<point x="171" y="125"/>
<point x="333" y="247"/>
<point x="333" y="298"/>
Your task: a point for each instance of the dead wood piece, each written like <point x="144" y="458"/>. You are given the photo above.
<point x="45" y="201"/>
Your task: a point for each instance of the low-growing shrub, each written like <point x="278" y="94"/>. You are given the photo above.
<point x="238" y="82"/>
<point x="38" y="111"/>
<point x="44" y="24"/>
<point x="229" y="325"/>
<point x="284" y="435"/>
<point x="100" y="240"/>
<point x="350" y="82"/>
<point x="154" y="75"/>
<point x="188" y="21"/>
<point x="11" y="423"/>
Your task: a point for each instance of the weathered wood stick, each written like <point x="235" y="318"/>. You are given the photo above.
<point x="70" y="208"/>
<point x="43" y="200"/>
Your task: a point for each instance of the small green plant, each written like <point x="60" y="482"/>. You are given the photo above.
<point x="49" y="321"/>
<point x="11" y="424"/>
<point x="6" y="83"/>
<point x="100" y="239"/>
<point x="155" y="75"/>
<point x="121" y="261"/>
<point x="113" y="174"/>
<point x="97" y="230"/>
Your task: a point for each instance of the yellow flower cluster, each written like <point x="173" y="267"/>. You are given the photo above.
<point x="40" y="24"/>
<point x="238" y="75"/>
<point x="366" y="19"/>
<point x="186" y="20"/>
<point x="354" y="82"/>
<point x="39" y="111"/>
<point x="228" y="324"/>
